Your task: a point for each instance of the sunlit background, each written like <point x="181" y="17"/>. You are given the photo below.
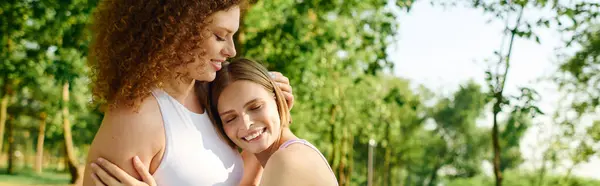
<point x="418" y="79"/>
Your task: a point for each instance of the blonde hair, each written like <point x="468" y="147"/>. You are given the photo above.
<point x="243" y="69"/>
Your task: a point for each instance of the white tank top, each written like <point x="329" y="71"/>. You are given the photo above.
<point x="194" y="154"/>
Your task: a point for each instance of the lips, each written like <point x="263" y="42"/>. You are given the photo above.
<point x="255" y="134"/>
<point x="217" y="64"/>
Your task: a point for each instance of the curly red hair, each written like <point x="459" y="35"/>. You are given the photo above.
<point x="137" y="44"/>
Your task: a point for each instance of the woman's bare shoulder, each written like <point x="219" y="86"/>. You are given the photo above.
<point x="126" y="124"/>
<point x="147" y="115"/>
<point x="297" y="164"/>
<point x="127" y="132"/>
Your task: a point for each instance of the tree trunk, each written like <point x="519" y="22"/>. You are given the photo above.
<point x="27" y="148"/>
<point x="11" y="145"/>
<point x="70" y="151"/>
<point x="3" y="117"/>
<point x="343" y="157"/>
<point x="351" y="161"/>
<point x="387" y="156"/>
<point x="387" y="167"/>
<point x="498" y="94"/>
<point x="39" y="155"/>
<point x="496" y="143"/>
<point x="332" y="155"/>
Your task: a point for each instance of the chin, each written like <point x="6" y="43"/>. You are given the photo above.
<point x="207" y="78"/>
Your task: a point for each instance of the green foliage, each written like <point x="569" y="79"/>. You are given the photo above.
<point x="465" y="145"/>
<point x="580" y="75"/>
<point x="523" y="178"/>
<point x="45" y="46"/>
<point x="334" y="53"/>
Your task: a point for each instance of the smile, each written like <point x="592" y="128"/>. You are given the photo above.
<point x="255" y="135"/>
<point x="216" y="65"/>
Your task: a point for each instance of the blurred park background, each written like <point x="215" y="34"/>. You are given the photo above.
<point x="405" y="92"/>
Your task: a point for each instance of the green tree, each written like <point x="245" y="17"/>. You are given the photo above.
<point x="13" y="18"/>
<point x="48" y="36"/>
<point x="572" y="18"/>
<point x="580" y="75"/>
<point x="329" y="48"/>
<point x="463" y="146"/>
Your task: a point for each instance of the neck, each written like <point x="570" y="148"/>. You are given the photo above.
<point x="183" y="91"/>
<point x="264" y="156"/>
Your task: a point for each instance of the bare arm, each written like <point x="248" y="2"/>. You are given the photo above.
<point x="107" y="174"/>
<point x="125" y="134"/>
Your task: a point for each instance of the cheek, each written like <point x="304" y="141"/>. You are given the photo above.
<point x="211" y="47"/>
<point x="230" y="131"/>
<point x="273" y="116"/>
<point x="198" y="62"/>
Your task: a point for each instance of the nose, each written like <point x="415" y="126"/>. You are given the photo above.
<point x="247" y="121"/>
<point x="229" y="50"/>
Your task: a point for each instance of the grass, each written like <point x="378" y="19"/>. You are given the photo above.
<point x="27" y="177"/>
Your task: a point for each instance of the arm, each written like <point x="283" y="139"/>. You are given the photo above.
<point x="106" y="173"/>
<point x="252" y="170"/>
<point x="124" y="134"/>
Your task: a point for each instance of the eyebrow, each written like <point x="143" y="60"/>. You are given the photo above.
<point x="245" y="105"/>
<point x="226" y="29"/>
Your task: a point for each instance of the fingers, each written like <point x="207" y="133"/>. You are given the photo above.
<point x="96" y="180"/>
<point x="280" y="78"/>
<point x="114" y="170"/>
<point x="142" y="171"/>
<point x="289" y="99"/>
<point x="284" y="84"/>
<point x="103" y="176"/>
<point x="284" y="87"/>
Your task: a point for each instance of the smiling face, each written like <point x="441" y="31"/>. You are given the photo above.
<point x="218" y="47"/>
<point x="249" y="115"/>
<point x="246" y="107"/>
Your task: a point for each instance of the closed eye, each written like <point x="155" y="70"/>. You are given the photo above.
<point x="230" y="119"/>
<point x="256" y="107"/>
<point x="219" y="38"/>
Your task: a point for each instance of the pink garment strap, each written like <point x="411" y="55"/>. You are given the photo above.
<point x="292" y="141"/>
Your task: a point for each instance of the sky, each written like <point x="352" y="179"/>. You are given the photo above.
<point x="443" y="48"/>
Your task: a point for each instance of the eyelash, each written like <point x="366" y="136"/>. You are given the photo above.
<point x="219" y="38"/>
<point x="230" y="119"/>
<point x="256" y="107"/>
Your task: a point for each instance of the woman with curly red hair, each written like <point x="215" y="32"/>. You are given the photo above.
<point x="151" y="61"/>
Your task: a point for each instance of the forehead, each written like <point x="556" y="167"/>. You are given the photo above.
<point x="227" y="19"/>
<point x="238" y="93"/>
